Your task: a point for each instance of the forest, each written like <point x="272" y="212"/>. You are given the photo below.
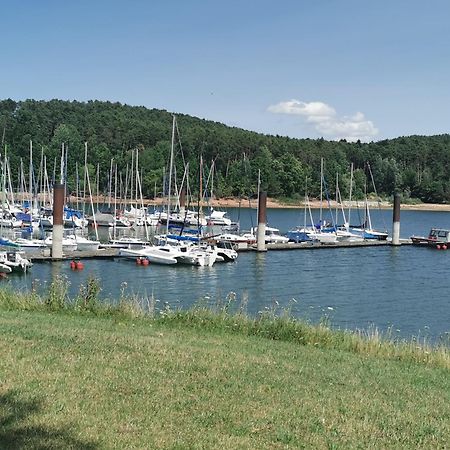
<point x="415" y="166"/>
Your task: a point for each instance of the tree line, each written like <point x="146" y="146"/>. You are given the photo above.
<point x="415" y="166"/>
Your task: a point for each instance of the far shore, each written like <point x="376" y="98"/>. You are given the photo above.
<point x="234" y="202"/>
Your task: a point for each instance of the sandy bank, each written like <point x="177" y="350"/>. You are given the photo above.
<point x="232" y="202"/>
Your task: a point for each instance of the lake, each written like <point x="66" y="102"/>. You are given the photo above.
<point x="402" y="289"/>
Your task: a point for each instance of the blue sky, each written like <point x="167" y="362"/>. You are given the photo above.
<point x="307" y="68"/>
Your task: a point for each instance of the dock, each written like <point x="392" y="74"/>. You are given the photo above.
<point x="102" y="253"/>
<point x="318" y="245"/>
<point x="110" y="253"/>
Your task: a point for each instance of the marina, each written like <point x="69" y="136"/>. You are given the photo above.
<point x="345" y="283"/>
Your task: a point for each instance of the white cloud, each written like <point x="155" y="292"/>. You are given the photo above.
<point x="297" y="107"/>
<point x="325" y="121"/>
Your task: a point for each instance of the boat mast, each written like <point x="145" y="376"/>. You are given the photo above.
<point x="321" y="191"/>
<point x="85" y="179"/>
<point x="92" y="202"/>
<point x="170" y="176"/>
<point x="350" y="194"/>
<point x="30" y="182"/>
<point x="259" y="188"/>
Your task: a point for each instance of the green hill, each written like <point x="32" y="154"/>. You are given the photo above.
<point x="417" y="166"/>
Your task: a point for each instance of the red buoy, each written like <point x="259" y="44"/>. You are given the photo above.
<point x="80" y="265"/>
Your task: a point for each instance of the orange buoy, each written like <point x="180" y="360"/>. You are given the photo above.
<point x="80" y="265"/>
<point x="73" y="265"/>
<point x="145" y="262"/>
<point x="138" y="261"/>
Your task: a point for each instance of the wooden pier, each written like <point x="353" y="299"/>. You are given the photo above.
<point x="102" y="253"/>
<point x="318" y="245"/>
<point x="110" y="253"/>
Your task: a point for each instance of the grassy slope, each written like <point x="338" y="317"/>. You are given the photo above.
<point x="80" y="381"/>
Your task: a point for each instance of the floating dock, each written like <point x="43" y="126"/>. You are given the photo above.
<point x="110" y="253"/>
<point x="317" y="245"/>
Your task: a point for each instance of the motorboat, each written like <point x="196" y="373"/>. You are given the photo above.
<point x="69" y="243"/>
<point x="15" y="260"/>
<point x="226" y="251"/>
<point x="218" y="218"/>
<point x="85" y="244"/>
<point x="272" y="235"/>
<point x="157" y="254"/>
<point x="436" y="236"/>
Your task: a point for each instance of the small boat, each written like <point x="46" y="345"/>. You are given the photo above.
<point x="86" y="245"/>
<point x="226" y="251"/>
<point x="4" y="269"/>
<point x="298" y="235"/>
<point x="436" y="236"/>
<point x="157" y="254"/>
<point x="272" y="235"/>
<point x="15" y="260"/>
<point x="218" y="218"/>
<point x="69" y="244"/>
<point x="236" y="240"/>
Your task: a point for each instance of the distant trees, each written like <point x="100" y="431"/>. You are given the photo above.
<point x="417" y="166"/>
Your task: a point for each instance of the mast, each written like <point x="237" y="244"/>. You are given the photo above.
<point x="92" y="202"/>
<point x="321" y="191"/>
<point x="306" y="196"/>
<point x="350" y="194"/>
<point x="97" y="180"/>
<point x="110" y="183"/>
<point x="77" y="178"/>
<point x="337" y="197"/>
<point x="62" y="164"/>
<point x="259" y="188"/>
<point x="30" y="184"/>
<point x="170" y="176"/>
<point x="85" y="178"/>
<point x="115" y="200"/>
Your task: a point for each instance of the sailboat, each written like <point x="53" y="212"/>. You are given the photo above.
<point x="83" y="242"/>
<point x="312" y="232"/>
<point x="366" y="230"/>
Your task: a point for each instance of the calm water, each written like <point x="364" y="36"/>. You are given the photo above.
<point x="402" y="288"/>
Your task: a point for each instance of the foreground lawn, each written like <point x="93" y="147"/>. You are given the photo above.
<point x="71" y="380"/>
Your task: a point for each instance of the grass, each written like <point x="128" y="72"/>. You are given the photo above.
<point x="79" y="375"/>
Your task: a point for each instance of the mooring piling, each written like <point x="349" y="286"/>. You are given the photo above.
<point x="396" y="221"/>
<point x="261" y="233"/>
<point x="58" y="222"/>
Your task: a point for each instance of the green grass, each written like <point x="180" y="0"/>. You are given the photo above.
<point x="83" y="376"/>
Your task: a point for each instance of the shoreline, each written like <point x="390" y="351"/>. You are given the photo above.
<point x="315" y="204"/>
<point x="233" y="202"/>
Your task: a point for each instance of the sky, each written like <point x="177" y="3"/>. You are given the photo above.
<point x="337" y="69"/>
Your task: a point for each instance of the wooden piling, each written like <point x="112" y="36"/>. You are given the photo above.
<point x="58" y="220"/>
<point x="396" y="221"/>
<point x="262" y="219"/>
